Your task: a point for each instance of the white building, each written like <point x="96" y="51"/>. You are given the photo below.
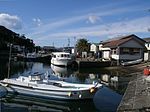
<point x="94" y="47"/>
<point x="147" y="53"/>
<point x="123" y="48"/>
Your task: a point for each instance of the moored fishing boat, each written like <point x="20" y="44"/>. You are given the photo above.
<point x="40" y="86"/>
<point x="61" y="59"/>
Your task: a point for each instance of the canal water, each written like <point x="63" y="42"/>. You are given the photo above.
<point x="106" y="99"/>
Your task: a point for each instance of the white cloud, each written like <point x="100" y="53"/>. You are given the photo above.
<point x="117" y="28"/>
<point x="10" y="21"/>
<point x="93" y="19"/>
<point x="57" y="29"/>
<point x="37" y="21"/>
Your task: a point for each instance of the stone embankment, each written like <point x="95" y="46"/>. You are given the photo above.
<point x="137" y="95"/>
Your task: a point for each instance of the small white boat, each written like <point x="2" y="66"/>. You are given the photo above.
<point x="40" y="86"/>
<point x="132" y="62"/>
<point x="61" y="59"/>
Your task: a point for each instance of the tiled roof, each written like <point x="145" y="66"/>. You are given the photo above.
<point x="118" y="41"/>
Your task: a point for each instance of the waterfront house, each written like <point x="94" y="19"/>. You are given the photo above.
<point x="147" y="53"/>
<point x="94" y="47"/>
<point x="19" y="48"/>
<point x="124" y="48"/>
<point x="105" y="51"/>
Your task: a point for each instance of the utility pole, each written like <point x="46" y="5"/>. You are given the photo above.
<point x="9" y="60"/>
<point x="75" y="46"/>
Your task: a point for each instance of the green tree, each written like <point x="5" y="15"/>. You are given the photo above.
<point x="82" y="45"/>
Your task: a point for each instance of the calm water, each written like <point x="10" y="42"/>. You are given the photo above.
<point x="105" y="100"/>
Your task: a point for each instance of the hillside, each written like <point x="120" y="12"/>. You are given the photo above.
<point x="8" y="37"/>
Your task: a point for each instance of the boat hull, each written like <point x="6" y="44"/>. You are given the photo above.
<point x="53" y="95"/>
<point x="61" y="62"/>
<point x="62" y="59"/>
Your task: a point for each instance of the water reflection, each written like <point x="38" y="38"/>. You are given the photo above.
<point x="16" y="68"/>
<point x="27" y="103"/>
<point x="106" y="99"/>
<point x="61" y="71"/>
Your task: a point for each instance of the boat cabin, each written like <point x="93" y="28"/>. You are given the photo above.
<point x="61" y="55"/>
<point x="36" y="77"/>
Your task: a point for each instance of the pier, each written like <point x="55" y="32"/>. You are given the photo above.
<point x="83" y="62"/>
<point x="137" y="95"/>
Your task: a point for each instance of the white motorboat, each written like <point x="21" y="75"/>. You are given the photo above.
<point x="41" y="86"/>
<point x="61" y="59"/>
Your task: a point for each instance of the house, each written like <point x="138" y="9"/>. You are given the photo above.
<point x="94" y="47"/>
<point x="147" y="53"/>
<point x="18" y="48"/>
<point x="124" y="48"/>
<point x="105" y="51"/>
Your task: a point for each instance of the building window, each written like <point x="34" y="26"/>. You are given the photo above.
<point x="125" y="50"/>
<point x="131" y="51"/>
<point x="136" y="51"/>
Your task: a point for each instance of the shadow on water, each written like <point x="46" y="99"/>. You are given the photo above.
<point x="106" y="99"/>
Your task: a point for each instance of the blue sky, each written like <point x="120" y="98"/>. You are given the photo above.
<point x="50" y="22"/>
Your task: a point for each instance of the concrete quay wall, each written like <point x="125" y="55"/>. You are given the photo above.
<point x="137" y="95"/>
